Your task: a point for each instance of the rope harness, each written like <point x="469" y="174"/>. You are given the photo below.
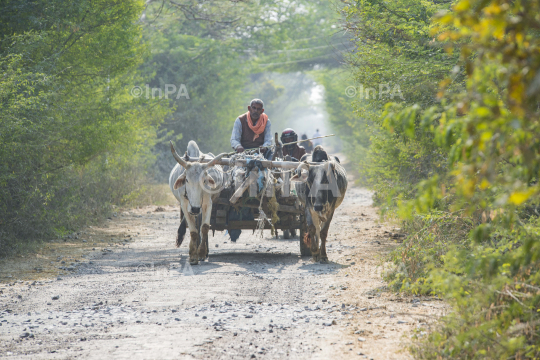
<point x="262" y="215"/>
<point x="267" y="179"/>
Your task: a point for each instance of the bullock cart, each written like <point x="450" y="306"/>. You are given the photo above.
<point x="289" y="210"/>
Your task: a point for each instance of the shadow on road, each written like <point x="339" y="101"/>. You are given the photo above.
<point x="224" y="261"/>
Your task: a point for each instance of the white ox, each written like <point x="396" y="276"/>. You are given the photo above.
<point x="196" y="185"/>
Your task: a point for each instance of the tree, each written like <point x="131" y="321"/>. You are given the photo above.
<point x="66" y="111"/>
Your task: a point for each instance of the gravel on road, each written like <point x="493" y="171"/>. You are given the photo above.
<point x="132" y="295"/>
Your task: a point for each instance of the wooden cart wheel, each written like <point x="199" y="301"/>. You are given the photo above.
<point x="304" y="249"/>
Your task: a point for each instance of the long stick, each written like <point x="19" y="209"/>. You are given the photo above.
<point x="318" y="137"/>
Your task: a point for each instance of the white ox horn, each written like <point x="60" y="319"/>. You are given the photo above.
<point x="302" y="166"/>
<point x="303" y="171"/>
<point x="177" y="157"/>
<point x="215" y="160"/>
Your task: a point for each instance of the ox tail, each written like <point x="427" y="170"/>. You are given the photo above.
<point x="181" y="232"/>
<point x="307" y="240"/>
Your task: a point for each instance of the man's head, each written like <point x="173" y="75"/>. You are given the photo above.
<point x="256" y="108"/>
<point x="288" y="136"/>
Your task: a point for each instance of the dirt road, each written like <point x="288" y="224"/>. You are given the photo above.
<point x="135" y="297"/>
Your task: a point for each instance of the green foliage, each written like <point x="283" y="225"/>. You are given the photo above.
<point x="71" y="134"/>
<point x="395" y="59"/>
<point x="458" y="156"/>
<point x="352" y="127"/>
<point x="224" y="63"/>
<point x="211" y="73"/>
<point x="431" y="236"/>
<point x="489" y="133"/>
<point x="74" y="139"/>
<point x="495" y="295"/>
<point x="495" y="121"/>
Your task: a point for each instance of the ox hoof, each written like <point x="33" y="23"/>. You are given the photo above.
<point x="193" y="262"/>
<point x="316" y="257"/>
<point x="324" y="260"/>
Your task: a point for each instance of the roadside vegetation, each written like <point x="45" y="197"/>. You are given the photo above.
<point x="436" y="104"/>
<point x="72" y="139"/>
<point x="84" y="116"/>
<point x="457" y="159"/>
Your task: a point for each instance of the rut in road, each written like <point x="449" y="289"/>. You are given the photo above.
<point x="139" y="298"/>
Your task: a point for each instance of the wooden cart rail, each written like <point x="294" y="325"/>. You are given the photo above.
<point x="252" y="225"/>
<point x="283" y="208"/>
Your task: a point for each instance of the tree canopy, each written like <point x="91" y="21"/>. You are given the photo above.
<point x="456" y="159"/>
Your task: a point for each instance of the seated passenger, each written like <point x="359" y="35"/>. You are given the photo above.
<point x="307" y="144"/>
<point x="294" y="150"/>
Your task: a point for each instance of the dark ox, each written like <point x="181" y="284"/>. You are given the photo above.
<point x="321" y="189"/>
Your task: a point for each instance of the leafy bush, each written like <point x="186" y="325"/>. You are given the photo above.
<point x="460" y="163"/>
<point x="495" y="298"/>
<point x="430" y="237"/>
<point x="72" y="138"/>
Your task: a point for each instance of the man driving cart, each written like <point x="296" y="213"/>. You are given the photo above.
<point x="253" y="130"/>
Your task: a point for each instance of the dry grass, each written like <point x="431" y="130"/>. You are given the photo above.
<point x="35" y="260"/>
<point x="150" y="194"/>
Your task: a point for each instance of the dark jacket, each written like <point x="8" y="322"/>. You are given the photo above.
<point x="308" y="145"/>
<point x="247" y="135"/>
<point x="297" y="151"/>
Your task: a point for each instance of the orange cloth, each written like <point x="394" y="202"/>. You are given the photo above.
<point x="261" y="124"/>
